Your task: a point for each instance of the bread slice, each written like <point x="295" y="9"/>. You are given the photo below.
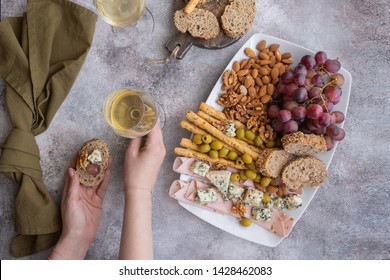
<point x="272" y="161"/>
<point x="238" y="17"/>
<point x="86" y="178"/>
<point x="200" y="23"/>
<point x="302" y="144"/>
<point x="304" y="171"/>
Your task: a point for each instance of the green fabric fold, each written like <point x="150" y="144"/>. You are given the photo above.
<point x="41" y="55"/>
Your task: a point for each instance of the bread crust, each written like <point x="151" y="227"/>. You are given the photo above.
<point x="238" y="17"/>
<point x="304" y="171"/>
<point x="86" y="178"/>
<point x="301" y="144"/>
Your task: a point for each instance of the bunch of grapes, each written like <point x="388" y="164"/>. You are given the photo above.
<point x="305" y="98"/>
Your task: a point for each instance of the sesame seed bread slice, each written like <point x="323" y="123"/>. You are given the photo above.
<point x="200" y="23"/>
<point x="272" y="161"/>
<point x="302" y="144"/>
<point x="85" y="177"/>
<point x="304" y="171"/>
<point x="238" y="17"/>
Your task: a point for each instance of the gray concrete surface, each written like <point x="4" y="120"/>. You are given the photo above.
<point x="349" y="218"/>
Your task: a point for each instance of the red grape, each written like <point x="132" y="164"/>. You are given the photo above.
<point x="300" y="69"/>
<point x="311" y="73"/>
<point x="340" y="136"/>
<point x="290" y="89"/>
<point x="324" y="120"/>
<point x="314" y="111"/>
<point x="290" y="105"/>
<point x="317" y="80"/>
<point x="287" y="77"/>
<point x="299" y="113"/>
<point x="300" y="95"/>
<point x="339" y="116"/>
<point x="332" y="93"/>
<point x="93" y="169"/>
<point x="332" y="130"/>
<point x="284" y="115"/>
<point x="332" y="65"/>
<point x="329" y="142"/>
<point x="273" y="112"/>
<point x="338" y="79"/>
<point x="277" y="125"/>
<point x="314" y="91"/>
<point x="308" y="61"/>
<point x="290" y="127"/>
<point x="320" y="57"/>
<point x="299" y="79"/>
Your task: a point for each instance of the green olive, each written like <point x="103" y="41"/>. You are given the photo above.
<point x="250" y="174"/>
<point x="197" y="139"/>
<point x="223" y="152"/>
<point x="239" y="161"/>
<point x="213" y="154"/>
<point x="265" y="181"/>
<point x="232" y="155"/>
<point x="204" y="148"/>
<point x="247" y="158"/>
<point x="258" y="142"/>
<point x="207" y="138"/>
<point x="251" y="166"/>
<point x="250" y="135"/>
<point x="240" y="133"/>
<point x="216" y="145"/>
<point x="242" y="175"/>
<point x="270" y="144"/>
<point x="258" y="178"/>
<point x="235" y="177"/>
<point x="266" y="198"/>
<point x="246" y="222"/>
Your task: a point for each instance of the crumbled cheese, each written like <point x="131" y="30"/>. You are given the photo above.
<point x="278" y="203"/>
<point x="253" y="197"/>
<point x="293" y="201"/>
<point x="230" y="130"/>
<point x="201" y="168"/>
<point x="205" y="196"/>
<point x="220" y="179"/>
<point x="95" y="157"/>
<point x="261" y="214"/>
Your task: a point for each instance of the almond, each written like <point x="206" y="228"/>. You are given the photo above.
<point x="263" y="71"/>
<point x="278" y="55"/>
<point x="242" y="73"/>
<point x="265" y="99"/>
<point x="259" y="81"/>
<point x="254" y="73"/>
<point x="274" y="47"/>
<point x="249" y="52"/>
<point x="263" y="56"/>
<point x="252" y="92"/>
<point x="287" y="61"/>
<point x="263" y="91"/>
<point x="266" y="80"/>
<point x="249" y="81"/>
<point x="261" y="46"/>
<point x="274" y="73"/>
<point x="286" y="55"/>
<point x="236" y="66"/>
<point x="265" y="62"/>
<point x="270" y="89"/>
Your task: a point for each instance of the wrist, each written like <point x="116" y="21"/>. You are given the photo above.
<point x="70" y="248"/>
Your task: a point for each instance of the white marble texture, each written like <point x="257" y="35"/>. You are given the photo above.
<point x="348" y="219"/>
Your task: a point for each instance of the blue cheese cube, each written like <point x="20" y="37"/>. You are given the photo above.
<point x="201" y="168"/>
<point x="220" y="179"/>
<point x="205" y="196"/>
<point x="261" y="214"/>
<point x="230" y="130"/>
<point x="253" y="197"/>
<point x="278" y="203"/>
<point x="234" y="192"/>
<point x="293" y="201"/>
<point x="95" y="157"/>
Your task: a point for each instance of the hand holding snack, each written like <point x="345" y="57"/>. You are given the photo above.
<point x="80" y="209"/>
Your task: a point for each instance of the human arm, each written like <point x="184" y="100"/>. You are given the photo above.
<point x="80" y="210"/>
<point x="141" y="167"/>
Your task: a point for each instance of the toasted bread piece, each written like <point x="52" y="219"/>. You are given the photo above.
<point x="199" y="23"/>
<point x="272" y="161"/>
<point x="86" y="149"/>
<point x="238" y="17"/>
<point x="301" y="144"/>
<point x="304" y="171"/>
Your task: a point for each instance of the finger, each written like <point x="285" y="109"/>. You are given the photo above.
<point x="72" y="164"/>
<point x="155" y="135"/>
<point x="103" y="186"/>
<point x="134" y="147"/>
<point x="73" y="183"/>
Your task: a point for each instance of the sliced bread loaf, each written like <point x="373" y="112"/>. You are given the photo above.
<point x="302" y="144"/>
<point x="200" y="23"/>
<point x="87" y="158"/>
<point x="272" y="161"/>
<point x="238" y="17"/>
<point x="304" y="171"/>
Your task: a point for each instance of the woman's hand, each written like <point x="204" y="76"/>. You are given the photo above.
<point x="81" y="208"/>
<point x="143" y="161"/>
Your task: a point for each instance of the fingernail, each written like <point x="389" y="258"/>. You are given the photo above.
<point x="71" y="172"/>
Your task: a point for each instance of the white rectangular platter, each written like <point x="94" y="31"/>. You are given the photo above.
<point x="230" y="224"/>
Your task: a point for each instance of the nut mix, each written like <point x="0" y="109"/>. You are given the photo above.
<point x="249" y="87"/>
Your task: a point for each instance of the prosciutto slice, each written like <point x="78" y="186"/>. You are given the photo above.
<point x="280" y="223"/>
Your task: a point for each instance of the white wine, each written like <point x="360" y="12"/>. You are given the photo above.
<point x="121" y="12"/>
<point x="130" y="113"/>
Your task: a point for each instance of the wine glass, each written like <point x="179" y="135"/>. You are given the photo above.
<point x="132" y="113"/>
<point x="121" y="13"/>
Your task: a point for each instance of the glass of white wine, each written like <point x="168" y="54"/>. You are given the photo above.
<point x="131" y="113"/>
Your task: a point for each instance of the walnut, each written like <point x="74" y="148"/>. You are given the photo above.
<point x="83" y="159"/>
<point x="230" y="78"/>
<point x="238" y="209"/>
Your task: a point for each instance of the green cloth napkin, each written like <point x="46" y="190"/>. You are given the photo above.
<point x="41" y="54"/>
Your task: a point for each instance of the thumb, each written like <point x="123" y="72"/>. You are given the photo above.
<point x="73" y="182"/>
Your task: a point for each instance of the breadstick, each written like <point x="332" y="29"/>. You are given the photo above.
<point x="187" y="143"/>
<point x="218" y="114"/>
<point x="194" y="129"/>
<point x="209" y="119"/>
<point x="237" y="144"/>
<point x="194" y="154"/>
<point x="189" y="8"/>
